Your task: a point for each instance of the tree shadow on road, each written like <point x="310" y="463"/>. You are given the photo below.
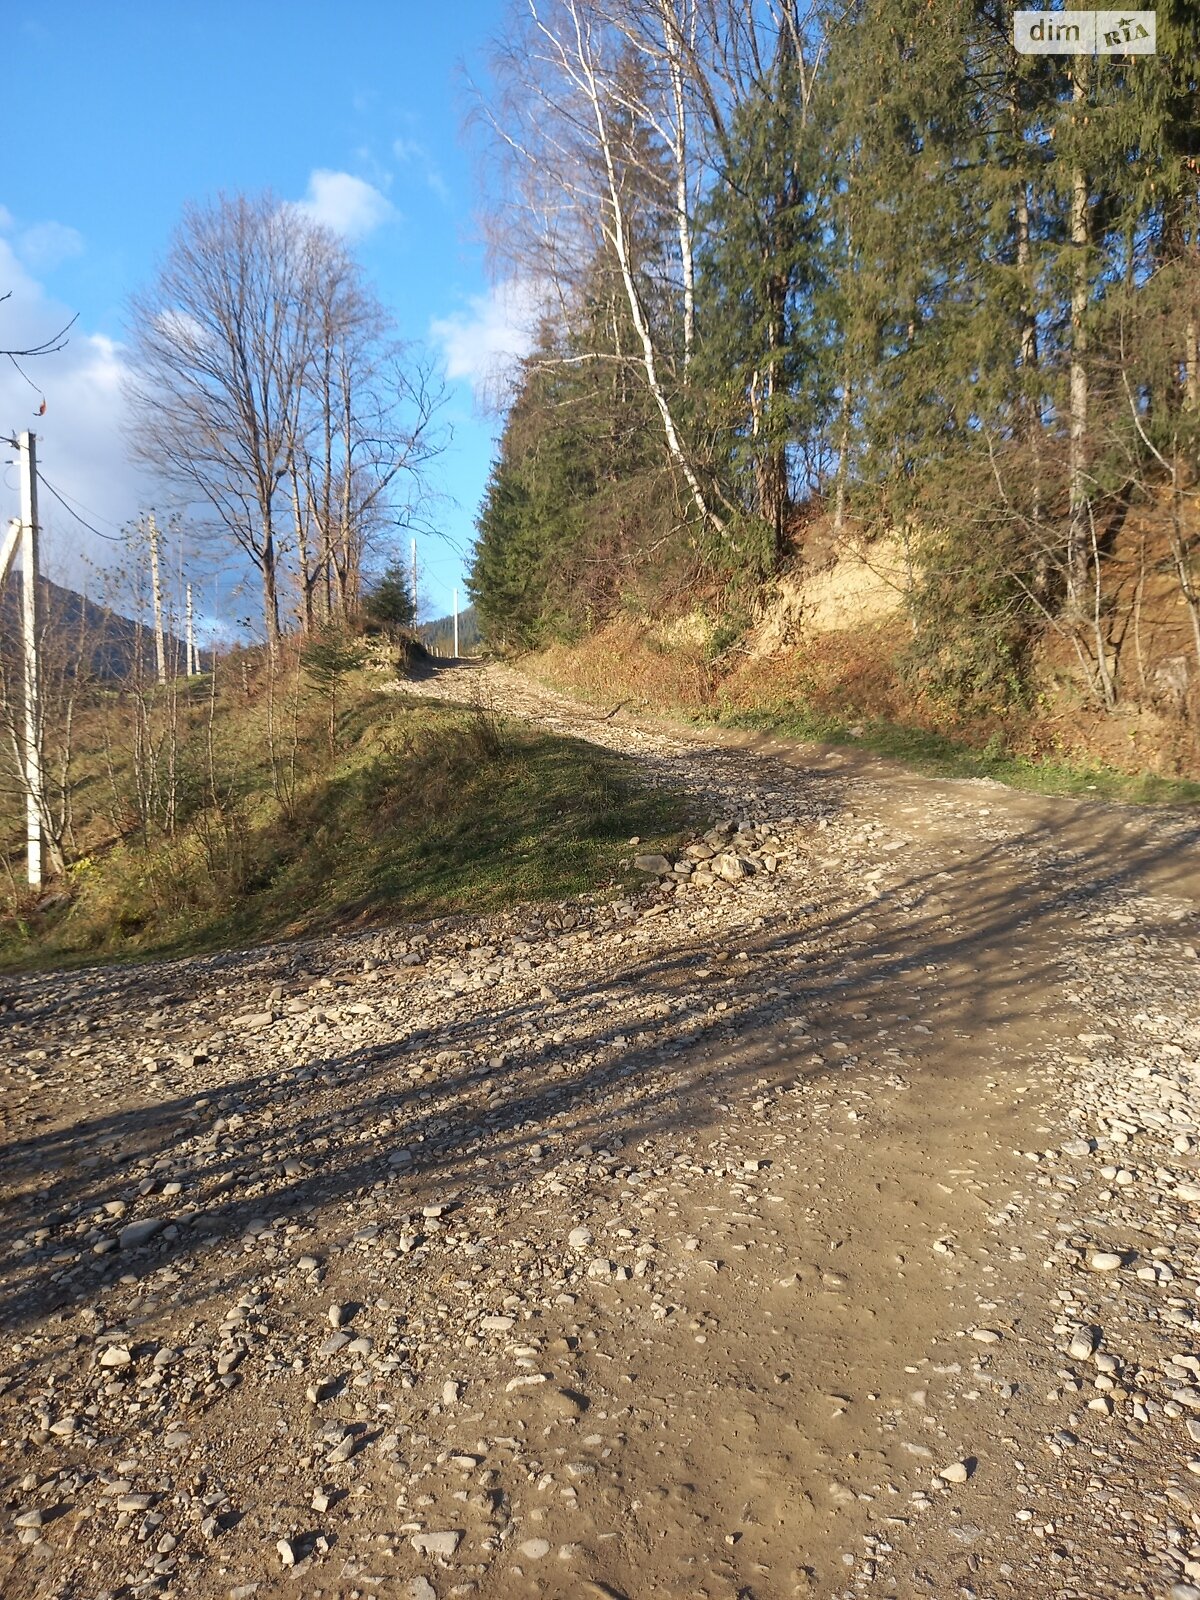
<point x="960" y="965"/>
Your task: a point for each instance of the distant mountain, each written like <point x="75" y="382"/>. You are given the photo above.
<point x="438" y="636"/>
<point x="105" y="644"/>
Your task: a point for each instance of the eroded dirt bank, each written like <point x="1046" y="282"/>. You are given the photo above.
<point x="827" y="1228"/>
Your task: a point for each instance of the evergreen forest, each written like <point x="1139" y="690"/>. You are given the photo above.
<point x="828" y="273"/>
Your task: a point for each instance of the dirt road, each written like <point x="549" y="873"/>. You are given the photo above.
<point x="821" y="1220"/>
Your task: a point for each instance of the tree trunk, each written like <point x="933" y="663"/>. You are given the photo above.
<point x="1077" y="548"/>
<point x="682" y="215"/>
<point x="1031" y="398"/>
<point x="270" y="593"/>
<point x="308" y="577"/>
<point x="619" y="238"/>
<point x="839" y="496"/>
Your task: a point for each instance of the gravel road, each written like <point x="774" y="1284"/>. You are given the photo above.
<point x="822" y="1219"/>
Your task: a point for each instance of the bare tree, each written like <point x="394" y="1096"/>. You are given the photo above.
<point x="612" y="124"/>
<point x="363" y="436"/>
<point x="70" y="642"/>
<point x="41" y="347"/>
<point x="221" y="347"/>
<point x="266" y="386"/>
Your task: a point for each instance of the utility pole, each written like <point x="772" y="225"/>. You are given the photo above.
<point x="456" y="624"/>
<point x="27" y="468"/>
<point x="160" y="653"/>
<point x="414" y="581"/>
<point x="192" y="665"/>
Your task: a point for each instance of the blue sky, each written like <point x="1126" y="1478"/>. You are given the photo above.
<point x="118" y="115"/>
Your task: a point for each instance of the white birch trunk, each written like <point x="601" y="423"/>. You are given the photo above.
<point x="583" y="73"/>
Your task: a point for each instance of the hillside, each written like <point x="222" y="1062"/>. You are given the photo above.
<point x="438" y="635"/>
<point x="828" y="649"/>
<point x="867" y="334"/>
<point x="268" y="803"/>
<point x="101" y="644"/>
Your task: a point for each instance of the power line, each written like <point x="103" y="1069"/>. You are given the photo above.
<point x="76" y="501"/>
<point x="83" y="522"/>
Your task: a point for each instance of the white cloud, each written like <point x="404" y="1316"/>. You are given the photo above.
<point x="411" y="152"/>
<point x="350" y="206"/>
<point x="184" y="329"/>
<point x="81" y="436"/>
<point x="47" y="245"/>
<point x="482" y="343"/>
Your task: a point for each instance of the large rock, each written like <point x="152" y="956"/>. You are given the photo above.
<point x="658" y="865"/>
<point x="134" y="1234"/>
<point x="436" y="1544"/>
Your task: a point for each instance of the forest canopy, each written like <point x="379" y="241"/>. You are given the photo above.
<point x="863" y="260"/>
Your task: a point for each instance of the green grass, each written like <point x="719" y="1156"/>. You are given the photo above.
<point x="937" y="755"/>
<point x="426" y="810"/>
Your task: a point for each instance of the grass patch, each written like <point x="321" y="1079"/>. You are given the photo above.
<point x="424" y="810"/>
<point x="938" y="755"/>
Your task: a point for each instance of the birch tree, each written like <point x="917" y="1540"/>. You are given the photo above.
<point x="577" y="111"/>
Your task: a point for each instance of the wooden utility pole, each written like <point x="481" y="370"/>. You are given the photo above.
<point x="456" y="624"/>
<point x="414" y="581"/>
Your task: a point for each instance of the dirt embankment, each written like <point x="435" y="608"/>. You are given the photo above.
<point x="832" y="636"/>
<point x="820" y="1220"/>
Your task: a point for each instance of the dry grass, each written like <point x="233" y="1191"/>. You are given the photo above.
<point x="419" y="809"/>
<point x="631" y="660"/>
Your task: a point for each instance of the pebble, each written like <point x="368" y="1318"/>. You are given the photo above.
<point x="956" y="1472"/>
<point x="1083" y="1341"/>
<point x="134" y="1234"/>
<point x="437" y="1544"/>
<point x="1104" y="1261"/>
<point x="535" y="1549"/>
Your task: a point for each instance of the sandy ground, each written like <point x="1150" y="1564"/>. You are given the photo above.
<point x="824" y="1229"/>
